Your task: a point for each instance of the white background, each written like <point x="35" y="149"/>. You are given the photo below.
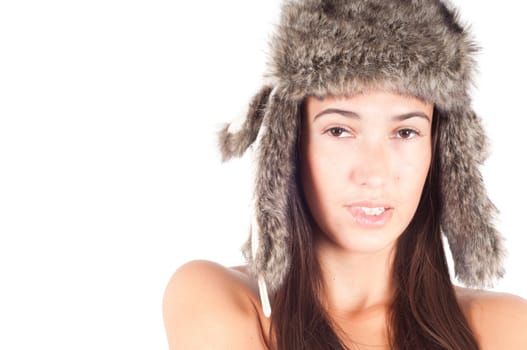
<point x="109" y="174"/>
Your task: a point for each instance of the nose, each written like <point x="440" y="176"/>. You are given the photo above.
<point x="371" y="166"/>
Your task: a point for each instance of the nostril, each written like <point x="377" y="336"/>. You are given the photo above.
<point x="373" y="174"/>
<point x="372" y="181"/>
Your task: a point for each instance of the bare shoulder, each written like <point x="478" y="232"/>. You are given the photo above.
<point x="206" y="304"/>
<point x="498" y="320"/>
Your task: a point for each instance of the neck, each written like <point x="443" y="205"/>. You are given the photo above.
<point x="355" y="282"/>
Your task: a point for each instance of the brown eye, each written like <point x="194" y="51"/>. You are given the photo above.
<point x="407" y="134"/>
<point x="336" y="131"/>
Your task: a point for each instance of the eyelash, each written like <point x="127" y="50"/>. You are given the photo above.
<point x="342" y="130"/>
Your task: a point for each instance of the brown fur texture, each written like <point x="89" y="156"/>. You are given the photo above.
<point x="338" y="47"/>
<point x="235" y="144"/>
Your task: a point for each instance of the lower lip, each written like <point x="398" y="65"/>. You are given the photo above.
<point x="373" y="221"/>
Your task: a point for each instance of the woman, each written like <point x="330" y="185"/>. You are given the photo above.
<point x="367" y="151"/>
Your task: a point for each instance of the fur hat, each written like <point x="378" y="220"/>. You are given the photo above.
<point x="341" y="47"/>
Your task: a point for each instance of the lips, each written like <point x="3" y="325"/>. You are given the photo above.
<point x="370" y="214"/>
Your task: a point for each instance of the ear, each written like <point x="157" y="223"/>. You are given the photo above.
<point x="234" y="144"/>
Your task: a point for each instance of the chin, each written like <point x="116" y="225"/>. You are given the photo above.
<point x="361" y="242"/>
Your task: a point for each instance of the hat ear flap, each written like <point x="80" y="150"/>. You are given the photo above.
<point x="468" y="214"/>
<point x="267" y="251"/>
<point x="234" y="144"/>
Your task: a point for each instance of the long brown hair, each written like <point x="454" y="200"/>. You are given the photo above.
<point x="424" y="313"/>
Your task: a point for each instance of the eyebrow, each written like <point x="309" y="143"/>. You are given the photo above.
<point x="351" y="114"/>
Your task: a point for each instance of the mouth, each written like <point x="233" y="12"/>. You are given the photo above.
<point x="370" y="215"/>
<point x="373" y="211"/>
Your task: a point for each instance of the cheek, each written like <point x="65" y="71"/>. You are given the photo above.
<point x="313" y="177"/>
<point x="321" y="175"/>
<point x="411" y="169"/>
<point x="323" y="169"/>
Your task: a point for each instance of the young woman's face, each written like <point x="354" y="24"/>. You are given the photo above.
<point x="364" y="161"/>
